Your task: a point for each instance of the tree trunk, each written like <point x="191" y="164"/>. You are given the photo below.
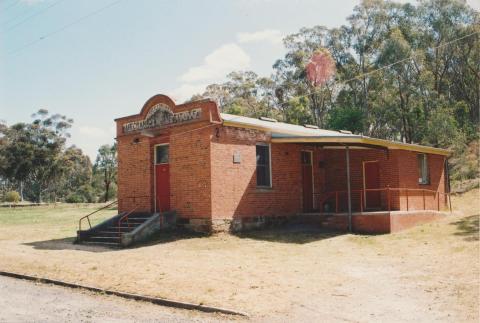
<point x="107" y="189"/>
<point x="21" y="191"/>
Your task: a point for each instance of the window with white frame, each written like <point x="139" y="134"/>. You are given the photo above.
<point x="161" y="154"/>
<point x="263" y="165"/>
<point x="423" y="176"/>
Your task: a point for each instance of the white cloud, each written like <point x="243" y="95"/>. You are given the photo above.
<point x="218" y="63"/>
<point x="186" y="90"/>
<point x="267" y="35"/>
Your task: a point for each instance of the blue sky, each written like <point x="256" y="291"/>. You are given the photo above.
<point x="107" y="65"/>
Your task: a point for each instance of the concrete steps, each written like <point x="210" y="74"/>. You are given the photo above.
<point x="111" y="235"/>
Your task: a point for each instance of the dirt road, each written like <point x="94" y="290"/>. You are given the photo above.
<point x="24" y="301"/>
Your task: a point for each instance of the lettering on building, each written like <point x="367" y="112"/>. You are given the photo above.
<point x="161" y="115"/>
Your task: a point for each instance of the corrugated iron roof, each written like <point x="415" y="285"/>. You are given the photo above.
<point x="290" y="133"/>
<point x="281" y="128"/>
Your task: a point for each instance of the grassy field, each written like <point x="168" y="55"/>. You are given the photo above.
<point x="428" y="273"/>
<point x="59" y="221"/>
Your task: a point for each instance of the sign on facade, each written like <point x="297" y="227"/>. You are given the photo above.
<point x="161" y="115"/>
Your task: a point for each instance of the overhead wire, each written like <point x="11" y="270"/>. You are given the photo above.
<point x="14" y="3"/>
<point x="357" y="77"/>
<point x="38" y="13"/>
<point x="64" y="27"/>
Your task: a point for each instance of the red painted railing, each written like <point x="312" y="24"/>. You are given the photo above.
<point x="337" y="195"/>
<point x="125" y="218"/>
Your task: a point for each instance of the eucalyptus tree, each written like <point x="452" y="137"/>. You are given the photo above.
<point x="31" y="153"/>
<point x="76" y="175"/>
<point x="106" y="167"/>
<point x="401" y="69"/>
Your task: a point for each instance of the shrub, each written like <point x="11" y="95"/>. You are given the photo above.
<point x="74" y="198"/>
<point x="86" y="192"/>
<point x="12" y="197"/>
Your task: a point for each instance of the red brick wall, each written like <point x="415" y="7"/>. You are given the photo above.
<point x="409" y="178"/>
<point x="234" y="190"/>
<point x="373" y="224"/>
<point x="189" y="171"/>
<point x="206" y="183"/>
<point x="336" y="177"/>
<point x="190" y="174"/>
<point x="134" y="174"/>
<point x="398" y="169"/>
<point x="190" y="184"/>
<point x="404" y="221"/>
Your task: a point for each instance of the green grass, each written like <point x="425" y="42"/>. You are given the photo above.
<point x="63" y="217"/>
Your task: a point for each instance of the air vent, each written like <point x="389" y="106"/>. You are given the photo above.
<point x="311" y="126"/>
<point x="268" y="119"/>
<point x="347" y="132"/>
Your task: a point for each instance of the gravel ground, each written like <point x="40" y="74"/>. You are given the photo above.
<point x="429" y="273"/>
<point x="25" y="301"/>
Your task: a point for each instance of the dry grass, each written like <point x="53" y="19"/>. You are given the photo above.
<point x="430" y="272"/>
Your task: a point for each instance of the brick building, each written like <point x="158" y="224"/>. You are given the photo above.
<point x="220" y="171"/>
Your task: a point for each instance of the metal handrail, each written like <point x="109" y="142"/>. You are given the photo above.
<point x="388" y="190"/>
<point x="88" y="215"/>
<point x="123" y="218"/>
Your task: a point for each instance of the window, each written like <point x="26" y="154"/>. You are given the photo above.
<point x="263" y="166"/>
<point x="306" y="158"/>
<point x="423" y="176"/>
<point x="161" y="154"/>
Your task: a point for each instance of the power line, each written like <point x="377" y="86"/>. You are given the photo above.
<point x="11" y="5"/>
<point x="64" y="27"/>
<point x="5" y="23"/>
<point x="32" y="16"/>
<point x="389" y="65"/>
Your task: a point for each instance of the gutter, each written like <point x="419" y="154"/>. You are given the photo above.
<point x="363" y="140"/>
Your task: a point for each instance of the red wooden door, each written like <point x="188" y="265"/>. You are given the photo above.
<point x="372" y="181"/>
<point x="162" y="180"/>
<point x="307" y="179"/>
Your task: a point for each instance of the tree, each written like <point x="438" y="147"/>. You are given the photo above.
<point x="346" y="119"/>
<point x="76" y="175"/>
<point x="31" y="153"/>
<point x="319" y="70"/>
<point x="407" y="72"/>
<point x="106" y="167"/>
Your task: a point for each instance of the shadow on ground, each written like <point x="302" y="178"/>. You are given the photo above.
<point x="468" y="227"/>
<point x="66" y="244"/>
<point x="172" y="235"/>
<point x="299" y="234"/>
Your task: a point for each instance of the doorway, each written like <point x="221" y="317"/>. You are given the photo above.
<point x="307" y="180"/>
<point x="371" y="180"/>
<point x="162" y="178"/>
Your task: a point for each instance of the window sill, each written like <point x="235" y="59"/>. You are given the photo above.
<point x="263" y="189"/>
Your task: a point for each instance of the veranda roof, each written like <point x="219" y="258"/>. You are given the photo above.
<point x="289" y="133"/>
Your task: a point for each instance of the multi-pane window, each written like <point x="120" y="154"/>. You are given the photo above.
<point x="161" y="154"/>
<point x="423" y="176"/>
<point x="263" y="165"/>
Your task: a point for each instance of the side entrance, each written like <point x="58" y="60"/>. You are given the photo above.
<point x="307" y="179"/>
<point x="162" y="178"/>
<point x="371" y="182"/>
